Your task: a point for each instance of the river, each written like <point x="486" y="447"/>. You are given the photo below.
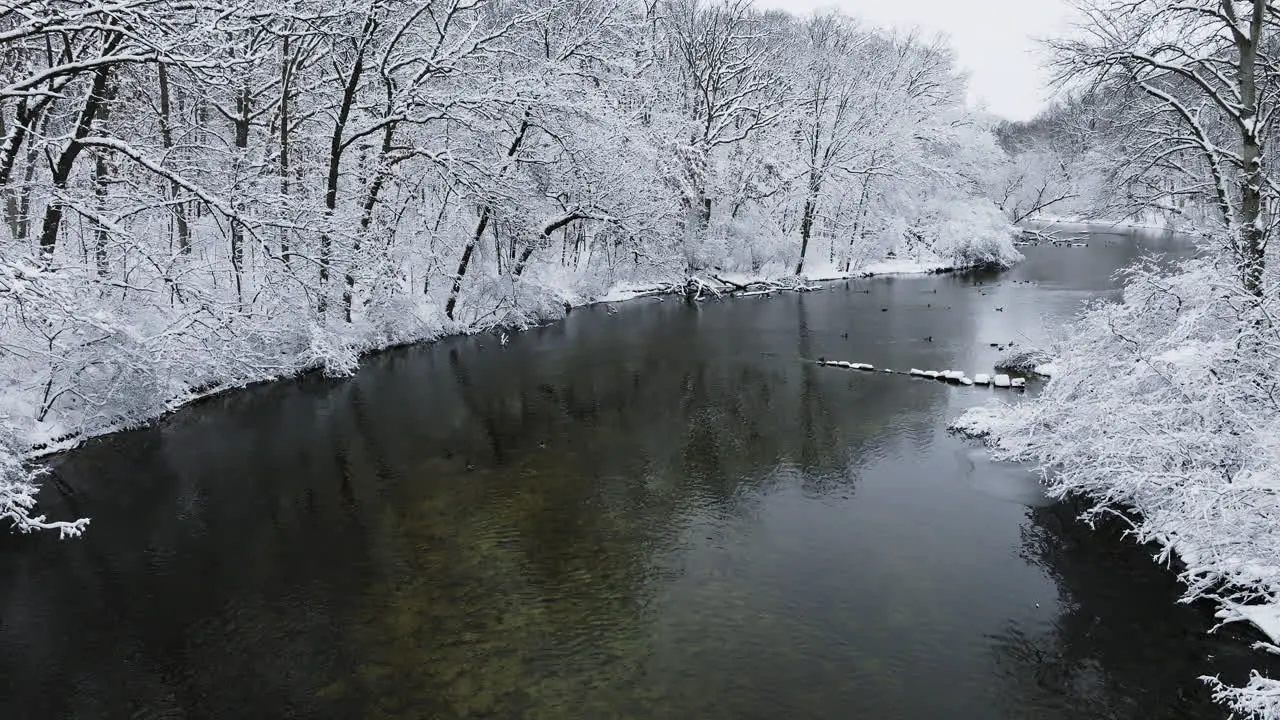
<point x="649" y="510"/>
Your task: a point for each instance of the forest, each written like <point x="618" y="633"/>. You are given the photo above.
<point x="197" y="196"/>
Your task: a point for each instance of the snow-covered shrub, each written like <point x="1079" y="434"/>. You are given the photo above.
<point x="974" y="234"/>
<point x="1168" y="403"/>
<point x="18" y="488"/>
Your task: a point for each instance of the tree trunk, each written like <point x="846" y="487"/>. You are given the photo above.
<point x="366" y="216"/>
<point x="859" y="226"/>
<point x="464" y="262"/>
<point x="1251" y="251"/>
<point x="166" y="137"/>
<point x="810" y="199"/>
<point x="806" y="228"/>
<point x="100" y="234"/>
<point x="67" y="159"/>
<point x="10" y="194"/>
<point x="349" y="92"/>
<point x="545" y="240"/>
<point x="485" y="214"/>
<point x="286" y="82"/>
<point x="244" y="107"/>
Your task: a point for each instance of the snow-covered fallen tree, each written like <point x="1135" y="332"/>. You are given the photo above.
<point x="1167" y="405"/>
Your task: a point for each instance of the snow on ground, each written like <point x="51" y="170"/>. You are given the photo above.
<point x="626" y="291"/>
<point x="903" y="267"/>
<point x="1141" y="223"/>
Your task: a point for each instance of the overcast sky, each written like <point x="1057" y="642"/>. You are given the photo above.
<point x="995" y="40"/>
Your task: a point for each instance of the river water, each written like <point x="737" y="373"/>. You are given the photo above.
<point x="650" y="510"/>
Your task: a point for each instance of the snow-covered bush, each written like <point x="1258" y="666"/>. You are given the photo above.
<point x="18" y="488"/>
<point x="974" y="234"/>
<point x="1168" y="404"/>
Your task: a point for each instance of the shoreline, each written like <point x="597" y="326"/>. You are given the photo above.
<point x="1181" y="554"/>
<point x="622" y="292"/>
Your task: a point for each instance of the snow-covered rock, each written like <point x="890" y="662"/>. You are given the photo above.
<point x="1022" y="360"/>
<point x="982" y="379"/>
<point x="977" y="422"/>
<point x="1001" y="381"/>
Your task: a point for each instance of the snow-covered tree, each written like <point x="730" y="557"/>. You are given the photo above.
<point x="197" y="196"/>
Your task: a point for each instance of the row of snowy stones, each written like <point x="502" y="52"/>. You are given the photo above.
<point x="952" y="376"/>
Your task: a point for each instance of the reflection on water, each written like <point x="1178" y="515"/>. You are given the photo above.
<point x="1105" y="655"/>
<point x="657" y="512"/>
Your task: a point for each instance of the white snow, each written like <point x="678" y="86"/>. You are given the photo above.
<point x="1001" y="381"/>
<point x="1046" y="370"/>
<point x="1264" y="617"/>
<point x="979" y="421"/>
<point x="982" y="379"/>
<point x="627" y="291"/>
<point x="903" y="267"/>
<point x="1162" y="404"/>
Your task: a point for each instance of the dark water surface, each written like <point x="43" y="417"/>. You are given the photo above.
<point x="646" y="511"/>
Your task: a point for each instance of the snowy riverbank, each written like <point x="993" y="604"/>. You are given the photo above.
<point x="742" y="283"/>
<point x="28" y="434"/>
<point x="1043" y="223"/>
<point x="1163" y="407"/>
